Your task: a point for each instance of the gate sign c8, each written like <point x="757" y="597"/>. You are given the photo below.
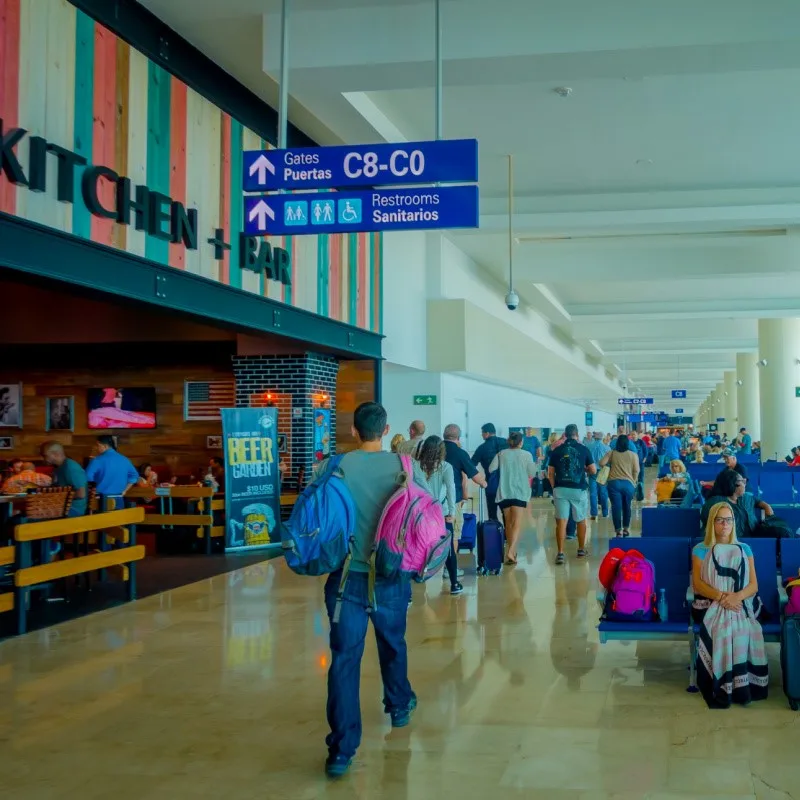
<point x="341" y="166"/>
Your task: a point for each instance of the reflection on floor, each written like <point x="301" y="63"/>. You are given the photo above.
<point x="218" y="690"/>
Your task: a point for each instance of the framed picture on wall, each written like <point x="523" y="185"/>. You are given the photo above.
<point x="6" y="442"/>
<point x="11" y="405"/>
<point x="59" y="414"/>
<point x="283" y="445"/>
<point x="213" y="443"/>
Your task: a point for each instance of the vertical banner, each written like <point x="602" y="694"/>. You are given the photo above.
<point x="322" y="434"/>
<point x="252" y="486"/>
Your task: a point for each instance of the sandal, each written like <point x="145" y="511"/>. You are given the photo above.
<point x="511" y="562"/>
<point x="560" y="559"/>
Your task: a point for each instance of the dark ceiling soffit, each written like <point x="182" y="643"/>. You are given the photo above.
<point x="38" y="250"/>
<point x="149" y="35"/>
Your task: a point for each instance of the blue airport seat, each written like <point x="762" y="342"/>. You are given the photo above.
<point x="671" y="522"/>
<point x="704" y="472"/>
<point x="748" y="459"/>
<point x="776" y="487"/>
<point x="790" y="557"/>
<point x="774" y="466"/>
<point x="754" y="478"/>
<point x="670" y="556"/>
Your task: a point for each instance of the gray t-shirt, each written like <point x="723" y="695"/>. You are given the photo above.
<point x="372" y="478"/>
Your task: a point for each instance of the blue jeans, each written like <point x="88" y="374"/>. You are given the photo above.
<point x="597" y="491"/>
<point x="347" y="647"/>
<point x="620" y="492"/>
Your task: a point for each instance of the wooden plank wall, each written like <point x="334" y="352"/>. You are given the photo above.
<point x="178" y="447"/>
<point x="355" y="385"/>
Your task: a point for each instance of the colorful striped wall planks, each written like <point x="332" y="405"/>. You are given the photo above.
<point x="67" y="78"/>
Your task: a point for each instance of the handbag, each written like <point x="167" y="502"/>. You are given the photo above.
<point x="602" y="476"/>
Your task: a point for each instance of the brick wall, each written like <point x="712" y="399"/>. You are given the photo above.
<point x="296" y="385"/>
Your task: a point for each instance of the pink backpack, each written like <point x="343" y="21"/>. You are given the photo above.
<point x="633" y="591"/>
<point x="411" y="536"/>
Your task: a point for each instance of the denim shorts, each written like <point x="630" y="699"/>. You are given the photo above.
<point x="574" y="500"/>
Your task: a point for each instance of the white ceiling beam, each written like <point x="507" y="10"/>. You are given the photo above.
<point x="688" y="309"/>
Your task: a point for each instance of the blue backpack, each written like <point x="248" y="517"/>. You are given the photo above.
<point x="316" y="539"/>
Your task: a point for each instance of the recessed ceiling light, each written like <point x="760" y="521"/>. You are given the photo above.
<point x="643" y="162"/>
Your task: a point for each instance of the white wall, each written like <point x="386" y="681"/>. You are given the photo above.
<point x="399" y="387"/>
<point x="512" y="407"/>
<point x="405" y="299"/>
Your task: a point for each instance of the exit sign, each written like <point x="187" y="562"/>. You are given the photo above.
<point x="424" y="399"/>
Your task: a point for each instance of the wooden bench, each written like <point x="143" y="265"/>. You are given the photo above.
<point x="119" y="526"/>
<point x="202" y="519"/>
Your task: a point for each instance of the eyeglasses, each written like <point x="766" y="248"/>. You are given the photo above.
<point x="724" y="520"/>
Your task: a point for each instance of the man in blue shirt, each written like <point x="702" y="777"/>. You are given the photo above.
<point x="532" y="444"/>
<point x="597" y="492"/>
<point x="745" y="442"/>
<point x="672" y="448"/>
<point x="110" y="471"/>
<point x="67" y="473"/>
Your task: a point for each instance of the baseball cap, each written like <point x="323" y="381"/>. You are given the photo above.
<point x="728" y="452"/>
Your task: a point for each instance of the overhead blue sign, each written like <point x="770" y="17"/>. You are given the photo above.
<point x="356" y="212"/>
<point x="679" y="411"/>
<point x="679" y="394"/>
<point x="589" y="418"/>
<point x="341" y="166"/>
<point x="635" y="401"/>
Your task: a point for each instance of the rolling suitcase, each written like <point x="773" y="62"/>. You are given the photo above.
<point x="790" y="660"/>
<point x="469" y="533"/>
<point x="491" y="543"/>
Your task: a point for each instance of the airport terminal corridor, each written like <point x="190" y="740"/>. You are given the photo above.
<point x="217" y="689"/>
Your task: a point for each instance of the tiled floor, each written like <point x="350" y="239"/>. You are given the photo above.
<point x="218" y="690"/>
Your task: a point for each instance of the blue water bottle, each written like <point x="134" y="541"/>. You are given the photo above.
<point x="663" y="608"/>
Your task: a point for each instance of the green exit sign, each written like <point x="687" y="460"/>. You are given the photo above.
<point x="424" y="399"/>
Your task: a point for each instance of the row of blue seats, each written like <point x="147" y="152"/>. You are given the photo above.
<point x="774" y="486"/>
<point x="671" y="557"/>
<point x="670" y="521"/>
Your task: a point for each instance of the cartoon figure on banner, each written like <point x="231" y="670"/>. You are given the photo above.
<point x="322" y="434"/>
<point x="258" y="520"/>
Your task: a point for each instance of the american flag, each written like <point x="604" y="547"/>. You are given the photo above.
<point x="204" y="399"/>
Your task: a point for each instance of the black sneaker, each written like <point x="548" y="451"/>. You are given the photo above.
<point x="457" y="589"/>
<point x="337" y="766"/>
<point x="401" y="718"/>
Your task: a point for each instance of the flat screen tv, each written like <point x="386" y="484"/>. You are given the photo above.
<point x="131" y="407"/>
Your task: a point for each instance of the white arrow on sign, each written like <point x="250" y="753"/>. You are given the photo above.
<point x="262" y="165"/>
<point x="260" y="211"/>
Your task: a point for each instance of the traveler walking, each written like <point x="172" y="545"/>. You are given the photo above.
<point x="416" y="436"/>
<point x="622" y="479"/>
<point x="517" y="468"/>
<point x="483" y="457"/>
<point x="439" y="475"/>
<point x="371" y="477"/>
<point x="569" y="465"/>
<point x="598" y="494"/>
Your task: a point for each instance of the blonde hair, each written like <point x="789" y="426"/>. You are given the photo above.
<point x="397" y="440"/>
<point x="552" y="439"/>
<point x="711" y="534"/>
<point x="698" y="457"/>
<point x="676" y="465"/>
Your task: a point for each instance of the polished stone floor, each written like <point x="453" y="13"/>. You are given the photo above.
<point x="217" y="690"/>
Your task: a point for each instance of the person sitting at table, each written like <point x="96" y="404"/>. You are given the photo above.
<point x="67" y="473"/>
<point x="731" y="487"/>
<point x="731" y="659"/>
<point x="147" y="476"/>
<point x="110" y="471"/>
<point x="24" y="477"/>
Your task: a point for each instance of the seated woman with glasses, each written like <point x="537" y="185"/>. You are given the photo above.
<point x="731" y="659"/>
<point x="730" y="486"/>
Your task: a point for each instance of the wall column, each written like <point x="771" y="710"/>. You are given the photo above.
<point x="747" y="397"/>
<point x="730" y="405"/>
<point x="779" y="345"/>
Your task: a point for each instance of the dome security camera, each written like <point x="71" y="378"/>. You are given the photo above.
<point x="512" y="300"/>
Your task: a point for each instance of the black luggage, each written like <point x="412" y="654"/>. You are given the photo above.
<point x="790" y="660"/>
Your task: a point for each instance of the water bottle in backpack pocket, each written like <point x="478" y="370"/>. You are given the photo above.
<point x="633" y="590"/>
<point x="411" y="538"/>
<point x="316" y="539"/>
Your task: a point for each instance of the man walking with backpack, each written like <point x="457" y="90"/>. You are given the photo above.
<point x="371" y="476"/>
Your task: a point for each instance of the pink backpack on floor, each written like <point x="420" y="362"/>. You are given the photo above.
<point x="411" y="536"/>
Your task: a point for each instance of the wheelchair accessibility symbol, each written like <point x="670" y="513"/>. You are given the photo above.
<point x="349" y="212"/>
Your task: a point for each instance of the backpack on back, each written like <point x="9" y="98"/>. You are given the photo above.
<point x="316" y="539"/>
<point x="633" y="590"/>
<point x="411" y="536"/>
